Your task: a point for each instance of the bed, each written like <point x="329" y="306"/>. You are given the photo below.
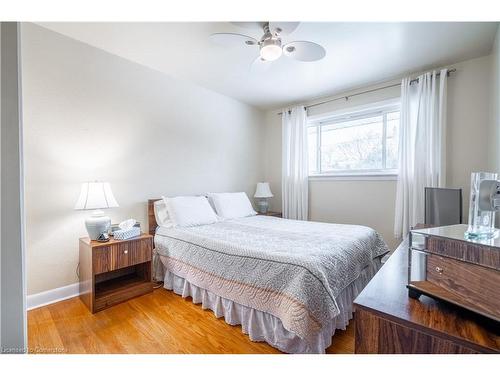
<point x="286" y="282"/>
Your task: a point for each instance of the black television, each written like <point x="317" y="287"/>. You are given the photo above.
<point x="443" y="206"/>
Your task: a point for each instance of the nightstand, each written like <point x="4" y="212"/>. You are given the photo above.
<point x="114" y="271"/>
<point x="271" y="213"/>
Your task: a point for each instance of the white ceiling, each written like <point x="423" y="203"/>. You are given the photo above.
<point x="357" y="54"/>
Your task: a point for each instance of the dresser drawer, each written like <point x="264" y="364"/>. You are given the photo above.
<point x="478" y="254"/>
<point x="470" y="283"/>
<point x="129" y="253"/>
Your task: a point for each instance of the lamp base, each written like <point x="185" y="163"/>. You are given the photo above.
<point x="97" y="224"/>
<point x="262" y="206"/>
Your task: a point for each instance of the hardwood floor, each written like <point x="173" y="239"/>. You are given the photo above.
<point x="159" y="322"/>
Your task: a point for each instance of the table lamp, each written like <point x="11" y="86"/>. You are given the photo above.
<point x="96" y="196"/>
<point x="262" y="193"/>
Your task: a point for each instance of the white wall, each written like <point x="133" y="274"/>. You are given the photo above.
<point x="468" y="123"/>
<point x="494" y="144"/>
<point x="495" y="104"/>
<point x="92" y="115"/>
<point x="372" y="202"/>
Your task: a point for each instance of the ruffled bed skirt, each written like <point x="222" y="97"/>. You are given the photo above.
<point x="262" y="326"/>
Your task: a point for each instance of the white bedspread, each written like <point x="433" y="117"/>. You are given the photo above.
<point x="294" y="270"/>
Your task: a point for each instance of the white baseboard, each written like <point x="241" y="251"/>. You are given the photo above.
<point x="51" y="296"/>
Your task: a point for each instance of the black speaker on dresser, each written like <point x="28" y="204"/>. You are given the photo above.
<point x="443" y="206"/>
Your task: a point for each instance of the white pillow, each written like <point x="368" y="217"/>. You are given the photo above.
<point x="190" y="211"/>
<point x="161" y="214"/>
<point x="232" y="205"/>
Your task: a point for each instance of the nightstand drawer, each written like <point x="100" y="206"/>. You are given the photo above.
<point x="101" y="259"/>
<point x="130" y="253"/>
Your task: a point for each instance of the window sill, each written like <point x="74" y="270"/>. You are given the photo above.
<point x="355" y="177"/>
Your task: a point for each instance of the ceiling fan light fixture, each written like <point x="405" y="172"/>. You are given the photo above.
<point x="271" y="46"/>
<point x="270" y="49"/>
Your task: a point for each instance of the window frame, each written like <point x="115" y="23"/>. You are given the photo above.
<point x="353" y="113"/>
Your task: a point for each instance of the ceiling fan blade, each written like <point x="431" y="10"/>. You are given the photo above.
<point x="283" y="27"/>
<point x="304" y="51"/>
<point x="250" y="25"/>
<point x="260" y="66"/>
<point x="233" y="40"/>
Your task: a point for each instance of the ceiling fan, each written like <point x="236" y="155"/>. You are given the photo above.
<point x="271" y="45"/>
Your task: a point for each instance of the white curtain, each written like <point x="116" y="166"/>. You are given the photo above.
<point x="294" y="163"/>
<point x="422" y="146"/>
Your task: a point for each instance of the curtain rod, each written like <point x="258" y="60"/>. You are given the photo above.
<point x="346" y="97"/>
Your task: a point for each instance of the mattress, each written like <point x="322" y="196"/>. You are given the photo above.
<point x="292" y="270"/>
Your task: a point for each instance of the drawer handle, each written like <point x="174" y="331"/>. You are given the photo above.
<point x="439" y="270"/>
<point x="125" y="251"/>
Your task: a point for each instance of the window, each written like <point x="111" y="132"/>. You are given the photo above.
<point x="357" y="143"/>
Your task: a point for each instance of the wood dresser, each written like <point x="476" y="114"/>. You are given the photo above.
<point x="444" y="264"/>
<point x="114" y="271"/>
<point x="387" y="320"/>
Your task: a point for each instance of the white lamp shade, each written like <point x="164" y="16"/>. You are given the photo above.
<point x="95" y="195"/>
<point x="263" y="190"/>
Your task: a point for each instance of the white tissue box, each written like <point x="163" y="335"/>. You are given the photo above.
<point x="123" y="234"/>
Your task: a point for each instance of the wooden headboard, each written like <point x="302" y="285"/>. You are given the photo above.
<point x="151" y="216"/>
